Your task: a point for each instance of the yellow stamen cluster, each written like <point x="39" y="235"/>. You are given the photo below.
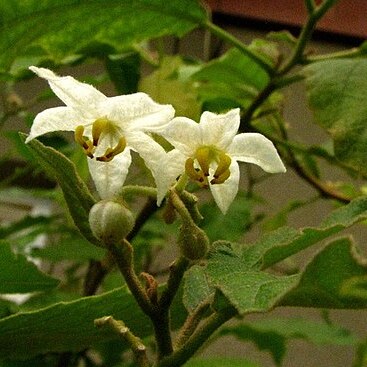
<point x="100" y="126"/>
<point x="204" y="156"/>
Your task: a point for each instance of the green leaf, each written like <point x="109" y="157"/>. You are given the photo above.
<point x="170" y="85"/>
<point x="69" y="246"/>
<point x="124" y="71"/>
<point x="59" y="28"/>
<point x="76" y="193"/>
<point x="68" y="326"/>
<point x="18" y="275"/>
<point x="287" y="241"/>
<point x="325" y="282"/>
<point x="220" y="362"/>
<point x="273" y="334"/>
<point x="246" y="289"/>
<point x="337" y="96"/>
<point x="196" y="287"/>
<point x="231" y="226"/>
<point x="233" y="76"/>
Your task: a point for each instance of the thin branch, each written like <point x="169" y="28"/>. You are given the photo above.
<point x="305" y="35"/>
<point x="191" y="323"/>
<point x="222" y="34"/>
<point x="198" y="338"/>
<point x="123" y="256"/>
<point x="310" y="6"/>
<point x="136" y="345"/>
<point x="177" y="271"/>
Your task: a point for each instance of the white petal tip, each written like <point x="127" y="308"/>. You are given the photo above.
<point x="43" y="72"/>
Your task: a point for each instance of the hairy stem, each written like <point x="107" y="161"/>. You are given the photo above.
<point x="135" y="343"/>
<point x="198" y="338"/>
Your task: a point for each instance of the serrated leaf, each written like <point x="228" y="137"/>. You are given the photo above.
<point x="76" y="193"/>
<point x="287" y="241"/>
<point x="337" y="96"/>
<point x="68" y="326"/>
<point x="273" y="334"/>
<point x="59" y="28"/>
<point x="18" y="275"/>
<point x="323" y="282"/>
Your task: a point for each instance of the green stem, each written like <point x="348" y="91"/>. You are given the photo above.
<point x="198" y="338"/>
<point x="162" y="332"/>
<point x="191" y="323"/>
<point x="123" y="256"/>
<point x="353" y="52"/>
<point x="138" y="190"/>
<point x="310" y="5"/>
<point x="181" y="208"/>
<point x="135" y="343"/>
<point x="177" y="271"/>
<point x="222" y="34"/>
<point x="306" y="34"/>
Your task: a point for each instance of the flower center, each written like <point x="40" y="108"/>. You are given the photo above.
<point x="100" y="128"/>
<point x="205" y="157"/>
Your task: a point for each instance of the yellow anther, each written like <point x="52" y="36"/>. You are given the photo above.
<point x="81" y="140"/>
<point x="191" y="171"/>
<point x="221" y="178"/>
<point x="110" y="153"/>
<point x="203" y="157"/>
<point x="99" y="126"/>
<point x="78" y="135"/>
<point x="223" y="165"/>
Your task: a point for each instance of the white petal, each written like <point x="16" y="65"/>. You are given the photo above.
<point x="172" y="167"/>
<point x="153" y="155"/>
<point x="219" y="130"/>
<point x="184" y="134"/>
<point x="73" y="93"/>
<point x="54" y="119"/>
<point x="109" y="177"/>
<point x="137" y="112"/>
<point x="256" y="148"/>
<point x="225" y="193"/>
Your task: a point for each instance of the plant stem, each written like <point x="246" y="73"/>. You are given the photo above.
<point x="353" y="52"/>
<point x="306" y="32"/>
<point x="310" y="5"/>
<point x="138" y="190"/>
<point x="177" y="271"/>
<point x="135" y="343"/>
<point x="123" y="256"/>
<point x="191" y="323"/>
<point x="222" y="34"/>
<point x="198" y="338"/>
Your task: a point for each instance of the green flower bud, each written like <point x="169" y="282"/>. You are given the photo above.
<point x="193" y="242"/>
<point x="110" y="221"/>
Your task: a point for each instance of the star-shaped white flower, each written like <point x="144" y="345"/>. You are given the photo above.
<point x="106" y="127"/>
<point x="208" y="152"/>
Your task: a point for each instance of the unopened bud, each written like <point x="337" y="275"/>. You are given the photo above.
<point x="110" y="221"/>
<point x="193" y="242"/>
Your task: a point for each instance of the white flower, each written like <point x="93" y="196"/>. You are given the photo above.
<point x="106" y="128"/>
<point x="208" y="152"/>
